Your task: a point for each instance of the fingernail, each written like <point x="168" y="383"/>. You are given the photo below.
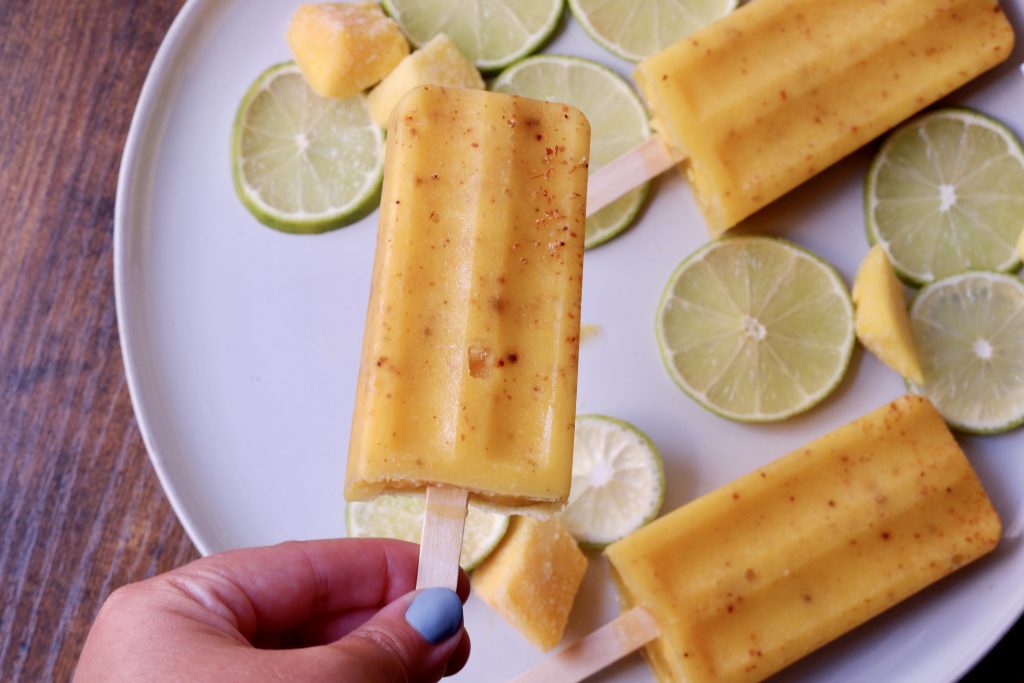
<point x="436" y="614"/>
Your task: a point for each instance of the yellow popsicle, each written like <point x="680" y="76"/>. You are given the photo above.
<point x="753" y="576"/>
<point x="468" y="371"/>
<point x="770" y="95"/>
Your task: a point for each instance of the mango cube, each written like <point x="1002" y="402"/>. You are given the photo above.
<point x="532" y="578"/>
<point x="439" y="62"/>
<point x="343" y="49"/>
<point x="881" y="320"/>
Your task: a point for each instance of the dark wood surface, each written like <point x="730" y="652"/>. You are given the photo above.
<point x="80" y="507"/>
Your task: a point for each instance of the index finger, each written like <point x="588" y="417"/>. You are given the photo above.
<point x="273" y="589"/>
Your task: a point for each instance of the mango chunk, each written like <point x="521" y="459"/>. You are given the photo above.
<point x="343" y="49"/>
<point x="881" y="319"/>
<point x="531" y="579"/>
<point x="439" y="62"/>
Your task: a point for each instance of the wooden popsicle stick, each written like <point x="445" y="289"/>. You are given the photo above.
<point x="625" y="634"/>
<point x="634" y="168"/>
<point x="441" y="541"/>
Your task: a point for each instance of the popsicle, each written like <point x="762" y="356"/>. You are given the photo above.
<point x="759" y="573"/>
<point x="770" y="95"/>
<point x="467" y="381"/>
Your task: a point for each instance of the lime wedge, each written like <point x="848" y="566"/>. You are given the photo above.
<point x="969" y="332"/>
<point x="755" y="329"/>
<point x="618" y="481"/>
<point x="401" y="517"/>
<point x="490" y="33"/>
<point x="302" y="163"/>
<point x="634" y="30"/>
<point x="618" y="122"/>
<point x="945" y="194"/>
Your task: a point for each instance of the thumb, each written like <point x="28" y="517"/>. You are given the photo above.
<point x="418" y="637"/>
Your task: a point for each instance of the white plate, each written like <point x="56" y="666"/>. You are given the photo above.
<point x="241" y="346"/>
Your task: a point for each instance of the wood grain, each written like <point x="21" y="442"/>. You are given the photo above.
<point x="82" y="510"/>
<point x="623" y="635"/>
<point x="80" y="507"/>
<point x="444" y="520"/>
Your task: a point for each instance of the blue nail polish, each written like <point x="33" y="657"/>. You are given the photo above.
<point x="436" y="614"/>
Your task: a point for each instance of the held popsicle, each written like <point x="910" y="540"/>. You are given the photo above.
<point x="759" y="573"/>
<point x="767" y="97"/>
<point x="467" y="380"/>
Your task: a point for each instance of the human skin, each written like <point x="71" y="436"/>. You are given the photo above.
<point x="313" y="611"/>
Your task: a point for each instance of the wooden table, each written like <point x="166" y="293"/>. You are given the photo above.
<point x="82" y="511"/>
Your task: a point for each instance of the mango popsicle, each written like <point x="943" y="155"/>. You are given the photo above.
<point x="468" y="371"/>
<point x="768" y="96"/>
<point x="759" y="573"/>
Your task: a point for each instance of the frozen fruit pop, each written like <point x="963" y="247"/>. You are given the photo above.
<point x="468" y="372"/>
<point x="770" y="95"/>
<point x="751" y="577"/>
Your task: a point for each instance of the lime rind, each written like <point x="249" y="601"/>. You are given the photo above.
<point x="840" y="319"/>
<point x="632" y="493"/>
<point x="364" y="199"/>
<point x="1007" y="260"/>
<point x="598" y="36"/>
<point x="968" y="384"/>
<point x="626" y="209"/>
<point x="614" y="129"/>
<point x="400" y="517"/>
<point x="466" y="34"/>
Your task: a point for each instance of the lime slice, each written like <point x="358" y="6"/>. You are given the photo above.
<point x="634" y="30"/>
<point x="755" y="329"/>
<point x="401" y="517"/>
<point x="945" y="194"/>
<point x="490" y="33"/>
<point x="302" y="163"/>
<point x="969" y="333"/>
<point x="618" y="122"/>
<point x="618" y="481"/>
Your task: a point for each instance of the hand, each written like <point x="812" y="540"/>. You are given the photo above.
<point x="312" y="611"/>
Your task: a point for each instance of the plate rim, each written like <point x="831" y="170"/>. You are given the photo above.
<point x="126" y="203"/>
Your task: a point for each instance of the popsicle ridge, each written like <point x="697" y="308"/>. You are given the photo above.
<point x="468" y="375"/>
